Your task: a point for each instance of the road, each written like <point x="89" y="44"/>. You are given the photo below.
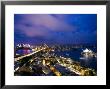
<point x="31" y="54"/>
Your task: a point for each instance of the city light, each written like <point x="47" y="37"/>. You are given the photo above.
<point x="43" y="61"/>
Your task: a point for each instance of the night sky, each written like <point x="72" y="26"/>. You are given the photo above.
<point x="55" y="28"/>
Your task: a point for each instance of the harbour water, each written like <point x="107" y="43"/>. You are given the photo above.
<point x="75" y="54"/>
<point x="23" y="51"/>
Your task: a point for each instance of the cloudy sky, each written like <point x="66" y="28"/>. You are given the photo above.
<point x="55" y="28"/>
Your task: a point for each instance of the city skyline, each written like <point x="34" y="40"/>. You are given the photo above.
<point x="55" y="28"/>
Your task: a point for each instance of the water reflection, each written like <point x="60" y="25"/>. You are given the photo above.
<point x="23" y="51"/>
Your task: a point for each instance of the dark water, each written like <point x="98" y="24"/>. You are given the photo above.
<point x="76" y="56"/>
<point x="23" y="51"/>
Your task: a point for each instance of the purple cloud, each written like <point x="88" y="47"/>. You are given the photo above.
<point x="42" y="24"/>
